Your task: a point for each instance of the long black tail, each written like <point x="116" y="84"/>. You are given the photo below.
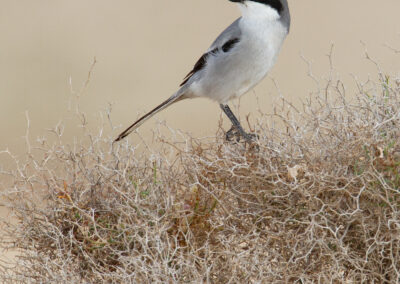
<point x="174" y="98"/>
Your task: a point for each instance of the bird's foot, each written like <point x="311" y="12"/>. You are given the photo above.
<point x="240" y="133"/>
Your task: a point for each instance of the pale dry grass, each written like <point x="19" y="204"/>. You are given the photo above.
<point x="314" y="200"/>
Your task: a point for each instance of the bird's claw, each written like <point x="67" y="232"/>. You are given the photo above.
<point x="235" y="132"/>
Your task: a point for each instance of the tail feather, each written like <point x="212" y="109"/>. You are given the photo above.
<point x="174" y="98"/>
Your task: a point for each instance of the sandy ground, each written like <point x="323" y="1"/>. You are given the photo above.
<point x="145" y="48"/>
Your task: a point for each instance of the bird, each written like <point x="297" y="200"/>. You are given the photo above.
<point x="238" y="59"/>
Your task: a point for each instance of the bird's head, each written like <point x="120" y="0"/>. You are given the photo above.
<point x="277" y="5"/>
<point x="271" y="9"/>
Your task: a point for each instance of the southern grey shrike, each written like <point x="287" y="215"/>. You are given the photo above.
<point x="238" y="60"/>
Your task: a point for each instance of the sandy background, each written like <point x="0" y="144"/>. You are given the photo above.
<point x="145" y="48"/>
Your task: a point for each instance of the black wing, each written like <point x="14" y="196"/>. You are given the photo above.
<point x="200" y="64"/>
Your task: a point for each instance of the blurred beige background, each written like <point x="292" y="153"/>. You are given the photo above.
<point x="145" y="48"/>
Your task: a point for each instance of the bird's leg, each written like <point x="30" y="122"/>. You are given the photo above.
<point x="237" y="129"/>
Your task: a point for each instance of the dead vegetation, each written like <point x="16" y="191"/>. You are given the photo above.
<point x="315" y="200"/>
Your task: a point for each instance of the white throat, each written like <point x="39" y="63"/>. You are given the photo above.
<point x="260" y="11"/>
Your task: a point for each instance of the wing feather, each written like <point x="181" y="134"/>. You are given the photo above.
<point x="225" y="42"/>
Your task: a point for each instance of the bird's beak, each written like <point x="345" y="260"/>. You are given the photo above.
<point x="239" y="1"/>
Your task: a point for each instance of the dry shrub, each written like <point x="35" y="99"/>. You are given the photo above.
<point x="313" y="200"/>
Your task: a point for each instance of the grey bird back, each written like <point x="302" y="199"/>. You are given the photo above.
<point x="233" y="31"/>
